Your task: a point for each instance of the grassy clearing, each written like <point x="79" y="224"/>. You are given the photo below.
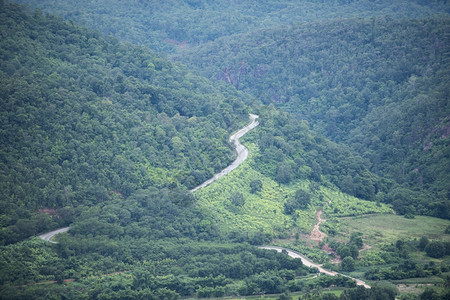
<point x="343" y="205"/>
<point x="382" y="229"/>
<point x="379" y="230"/>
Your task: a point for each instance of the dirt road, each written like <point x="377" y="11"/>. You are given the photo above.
<point x="316" y="234"/>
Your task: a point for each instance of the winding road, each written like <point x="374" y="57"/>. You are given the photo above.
<point x="49" y="235"/>
<point x="309" y="263"/>
<point x="242" y="154"/>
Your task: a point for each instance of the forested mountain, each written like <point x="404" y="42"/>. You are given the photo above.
<point x="83" y="118"/>
<point x="379" y="85"/>
<point x="341" y="65"/>
<point x="169" y="25"/>
<point x="291" y="151"/>
<point x="108" y="137"/>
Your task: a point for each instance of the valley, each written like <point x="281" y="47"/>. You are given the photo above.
<point x="119" y="121"/>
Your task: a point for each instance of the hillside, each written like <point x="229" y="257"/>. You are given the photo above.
<point x="343" y="66"/>
<point x="91" y="118"/>
<point x="167" y="26"/>
<point x="378" y="85"/>
<point x="84" y="119"/>
<point x="109" y="138"/>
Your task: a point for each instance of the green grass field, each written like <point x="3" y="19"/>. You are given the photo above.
<point x="381" y="229"/>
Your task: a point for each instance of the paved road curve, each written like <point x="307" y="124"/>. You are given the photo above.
<point x="309" y="263"/>
<point x="48" y="236"/>
<point x="242" y="153"/>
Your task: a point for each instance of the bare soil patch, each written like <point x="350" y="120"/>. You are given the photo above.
<point x="316" y="234"/>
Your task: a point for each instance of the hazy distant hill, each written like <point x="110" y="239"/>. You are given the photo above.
<point x="168" y="25"/>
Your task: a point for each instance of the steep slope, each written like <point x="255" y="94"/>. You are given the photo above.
<point x="75" y="121"/>
<point x="83" y="118"/>
<point x="351" y="65"/>
<point x="377" y="85"/>
<point x="115" y="136"/>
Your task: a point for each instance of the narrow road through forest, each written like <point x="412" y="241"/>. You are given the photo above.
<point x="48" y="236"/>
<point x="242" y="154"/>
<point x="309" y="263"/>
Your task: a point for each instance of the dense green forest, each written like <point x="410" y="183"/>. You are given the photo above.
<point x="170" y="25"/>
<point x="291" y="151"/>
<point x="159" y="249"/>
<point x="84" y="119"/>
<point x="100" y="133"/>
<point x="108" y="137"/>
<point x="378" y="85"/>
<point x="370" y="74"/>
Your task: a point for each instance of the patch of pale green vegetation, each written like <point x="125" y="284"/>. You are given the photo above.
<point x="262" y="211"/>
<point x="382" y="229"/>
<point x="339" y="204"/>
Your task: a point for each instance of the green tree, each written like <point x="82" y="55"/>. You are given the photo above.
<point x="343" y="251"/>
<point x="256" y="186"/>
<point x="348" y="264"/>
<point x="329" y="296"/>
<point x="435" y="249"/>
<point x="284" y="174"/>
<point x="347" y="185"/>
<point x="429" y="294"/>
<point x="356" y="239"/>
<point x="237" y="199"/>
<point x="423" y="242"/>
<point x="302" y="198"/>
<point x="355" y="294"/>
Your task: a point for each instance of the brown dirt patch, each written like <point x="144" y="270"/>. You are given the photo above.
<point x="316" y="234"/>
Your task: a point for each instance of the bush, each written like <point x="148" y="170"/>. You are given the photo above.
<point x="435" y="249"/>
<point x="256" y="186"/>
<point x="423" y="242"/>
